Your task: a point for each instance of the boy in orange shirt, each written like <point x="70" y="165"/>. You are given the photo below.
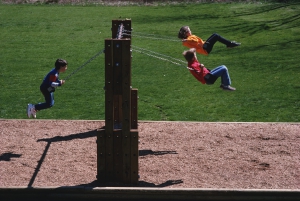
<point x="204" y="75"/>
<point x="201" y="46"/>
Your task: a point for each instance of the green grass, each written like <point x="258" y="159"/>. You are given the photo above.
<point x="265" y="69"/>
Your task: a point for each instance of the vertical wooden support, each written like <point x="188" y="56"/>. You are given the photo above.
<point x="109" y="96"/>
<point x="109" y="149"/>
<point x="117" y="148"/>
<point x="134" y="111"/>
<point x="134" y="156"/>
<point x="101" y="171"/>
<point x="118" y="158"/>
<point x="126" y="99"/>
<point x="134" y="136"/>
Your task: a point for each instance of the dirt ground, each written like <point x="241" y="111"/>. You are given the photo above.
<point x="45" y="153"/>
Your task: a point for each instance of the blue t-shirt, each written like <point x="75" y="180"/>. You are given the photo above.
<point x="51" y="81"/>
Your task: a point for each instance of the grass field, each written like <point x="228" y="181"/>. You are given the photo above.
<point x="264" y="69"/>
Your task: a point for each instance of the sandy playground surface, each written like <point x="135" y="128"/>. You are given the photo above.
<point x="171" y="154"/>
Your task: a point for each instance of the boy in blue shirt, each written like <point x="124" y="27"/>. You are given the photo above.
<point x="48" y="86"/>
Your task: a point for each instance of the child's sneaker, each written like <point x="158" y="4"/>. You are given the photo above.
<point x="233" y="44"/>
<point x="228" y="88"/>
<point x="29" y="110"/>
<point x="33" y="111"/>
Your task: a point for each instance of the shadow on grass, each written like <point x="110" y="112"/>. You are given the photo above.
<point x="254" y="27"/>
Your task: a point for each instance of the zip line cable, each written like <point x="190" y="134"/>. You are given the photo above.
<point x="148" y="36"/>
<point x="121" y="32"/>
<point x="160" y="56"/>
<point x="142" y="49"/>
<point x="152" y="53"/>
<point x="80" y="67"/>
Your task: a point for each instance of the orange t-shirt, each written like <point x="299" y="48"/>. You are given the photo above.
<point x="194" y="41"/>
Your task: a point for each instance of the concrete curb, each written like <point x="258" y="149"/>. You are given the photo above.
<point x="123" y="193"/>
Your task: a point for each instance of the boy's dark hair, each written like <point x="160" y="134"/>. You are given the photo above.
<point x="60" y="63"/>
<point x="189" y="54"/>
<point x="182" y="32"/>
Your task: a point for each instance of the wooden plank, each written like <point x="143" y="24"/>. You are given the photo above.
<point x="117" y="65"/>
<point x="114" y="28"/>
<point x="109" y="85"/>
<point x="127" y="28"/>
<point x="117" y="111"/>
<point x="126" y="85"/>
<point x="126" y="167"/>
<point x="134" y="177"/>
<point x="126" y="103"/>
<point x="118" y="159"/>
<point x="109" y="115"/>
<point x="101" y="171"/>
<point x="134" y="108"/>
<point x="109" y="157"/>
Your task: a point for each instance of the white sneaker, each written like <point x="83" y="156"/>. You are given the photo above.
<point x="29" y="110"/>
<point x="33" y="111"/>
<point x="228" y="88"/>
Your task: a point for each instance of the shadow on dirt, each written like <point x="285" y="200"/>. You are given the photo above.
<point x="7" y="156"/>
<point x="92" y="133"/>
<point x="84" y="135"/>
<point x="150" y="152"/>
<point x="96" y="183"/>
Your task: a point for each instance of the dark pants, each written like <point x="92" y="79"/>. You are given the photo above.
<point x="210" y="42"/>
<point x="49" y="100"/>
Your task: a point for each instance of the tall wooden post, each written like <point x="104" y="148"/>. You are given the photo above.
<point x="117" y="144"/>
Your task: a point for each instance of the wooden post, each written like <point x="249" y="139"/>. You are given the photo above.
<point x="117" y="144"/>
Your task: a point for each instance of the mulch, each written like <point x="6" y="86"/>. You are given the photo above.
<point x="45" y="153"/>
